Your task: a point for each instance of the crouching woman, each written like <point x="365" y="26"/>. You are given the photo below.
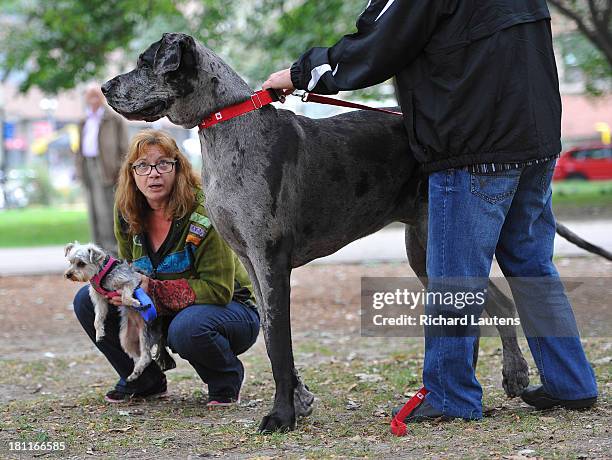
<point x="191" y="273"/>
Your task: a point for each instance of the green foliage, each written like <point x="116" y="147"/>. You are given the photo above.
<point x="593" y="20"/>
<point x="60" y="43"/>
<point x="277" y="34"/>
<point x="579" y="53"/>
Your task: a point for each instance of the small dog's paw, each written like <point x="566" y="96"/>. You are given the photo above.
<point x="100" y="335"/>
<point x="132" y="377"/>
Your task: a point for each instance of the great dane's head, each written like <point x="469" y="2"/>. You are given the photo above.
<point x="175" y="77"/>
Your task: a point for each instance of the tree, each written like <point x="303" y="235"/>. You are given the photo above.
<point x="56" y="44"/>
<point x="60" y="43"/>
<point x="593" y="18"/>
<point x="589" y="49"/>
<point x="278" y="31"/>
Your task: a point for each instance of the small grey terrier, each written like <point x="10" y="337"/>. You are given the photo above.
<point x="106" y="276"/>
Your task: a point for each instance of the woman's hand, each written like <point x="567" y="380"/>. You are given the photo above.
<point x="116" y="300"/>
<point x="144" y="283"/>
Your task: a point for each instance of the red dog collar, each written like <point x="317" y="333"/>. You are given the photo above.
<point x="257" y="101"/>
<point x="96" y="280"/>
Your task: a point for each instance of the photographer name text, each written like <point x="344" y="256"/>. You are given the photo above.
<point x="430" y="320"/>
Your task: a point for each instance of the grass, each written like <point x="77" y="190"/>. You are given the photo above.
<point x="42" y="227"/>
<point x="584" y="193"/>
<point x="180" y="425"/>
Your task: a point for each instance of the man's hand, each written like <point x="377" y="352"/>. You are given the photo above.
<point x="279" y="80"/>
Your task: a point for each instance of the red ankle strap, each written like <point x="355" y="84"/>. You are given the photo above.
<point x="398" y="427"/>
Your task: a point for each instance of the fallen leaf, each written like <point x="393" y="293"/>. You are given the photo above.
<point x="369" y="377"/>
<point x="120" y="430"/>
<point x="352" y="405"/>
<point x="37" y="389"/>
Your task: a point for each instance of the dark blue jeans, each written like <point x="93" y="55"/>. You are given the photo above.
<point x="473" y="217"/>
<point x="210" y="337"/>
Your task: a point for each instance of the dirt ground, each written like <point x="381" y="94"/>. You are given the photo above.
<point x="52" y="380"/>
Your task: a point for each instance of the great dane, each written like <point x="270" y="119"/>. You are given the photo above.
<point x="284" y="189"/>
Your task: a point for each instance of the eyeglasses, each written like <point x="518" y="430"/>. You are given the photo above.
<point x="162" y="167"/>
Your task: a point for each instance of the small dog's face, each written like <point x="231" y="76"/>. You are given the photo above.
<point x="164" y="76"/>
<point x="85" y="260"/>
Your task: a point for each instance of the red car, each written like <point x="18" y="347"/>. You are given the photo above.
<point x="587" y="163"/>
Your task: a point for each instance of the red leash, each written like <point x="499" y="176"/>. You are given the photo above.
<point x="309" y="97"/>
<point x="264" y="97"/>
<point x="398" y="427"/>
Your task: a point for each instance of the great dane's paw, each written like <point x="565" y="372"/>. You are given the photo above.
<point x="133" y="376"/>
<point x="515" y="375"/>
<point x="275" y="421"/>
<point x="303" y="401"/>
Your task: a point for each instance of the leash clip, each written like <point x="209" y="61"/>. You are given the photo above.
<point x="278" y="95"/>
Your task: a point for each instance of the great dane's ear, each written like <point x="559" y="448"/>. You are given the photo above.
<point x="174" y="49"/>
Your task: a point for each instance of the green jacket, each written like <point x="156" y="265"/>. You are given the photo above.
<point x="193" y="251"/>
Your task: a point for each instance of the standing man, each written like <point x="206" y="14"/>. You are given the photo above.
<point x="479" y="91"/>
<point x="104" y="142"/>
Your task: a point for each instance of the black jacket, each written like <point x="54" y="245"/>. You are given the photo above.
<point x="477" y="78"/>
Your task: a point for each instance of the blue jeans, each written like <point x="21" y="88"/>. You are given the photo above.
<point x="473" y="217"/>
<point x="208" y="336"/>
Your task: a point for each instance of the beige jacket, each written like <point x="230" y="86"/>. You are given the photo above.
<point x="113" y="144"/>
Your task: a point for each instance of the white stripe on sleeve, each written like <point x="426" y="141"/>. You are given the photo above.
<point x="316" y="74"/>
<point x="384" y="10"/>
<point x="367" y="6"/>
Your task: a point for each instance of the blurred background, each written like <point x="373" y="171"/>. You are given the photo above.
<point x="50" y="50"/>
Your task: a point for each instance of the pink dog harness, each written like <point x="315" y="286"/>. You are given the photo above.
<point x="98" y="278"/>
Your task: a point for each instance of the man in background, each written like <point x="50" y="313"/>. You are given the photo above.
<point x="104" y="142"/>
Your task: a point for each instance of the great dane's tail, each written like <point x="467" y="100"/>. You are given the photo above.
<point x="570" y="236"/>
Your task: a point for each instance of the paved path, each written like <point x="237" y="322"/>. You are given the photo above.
<point x="385" y="246"/>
